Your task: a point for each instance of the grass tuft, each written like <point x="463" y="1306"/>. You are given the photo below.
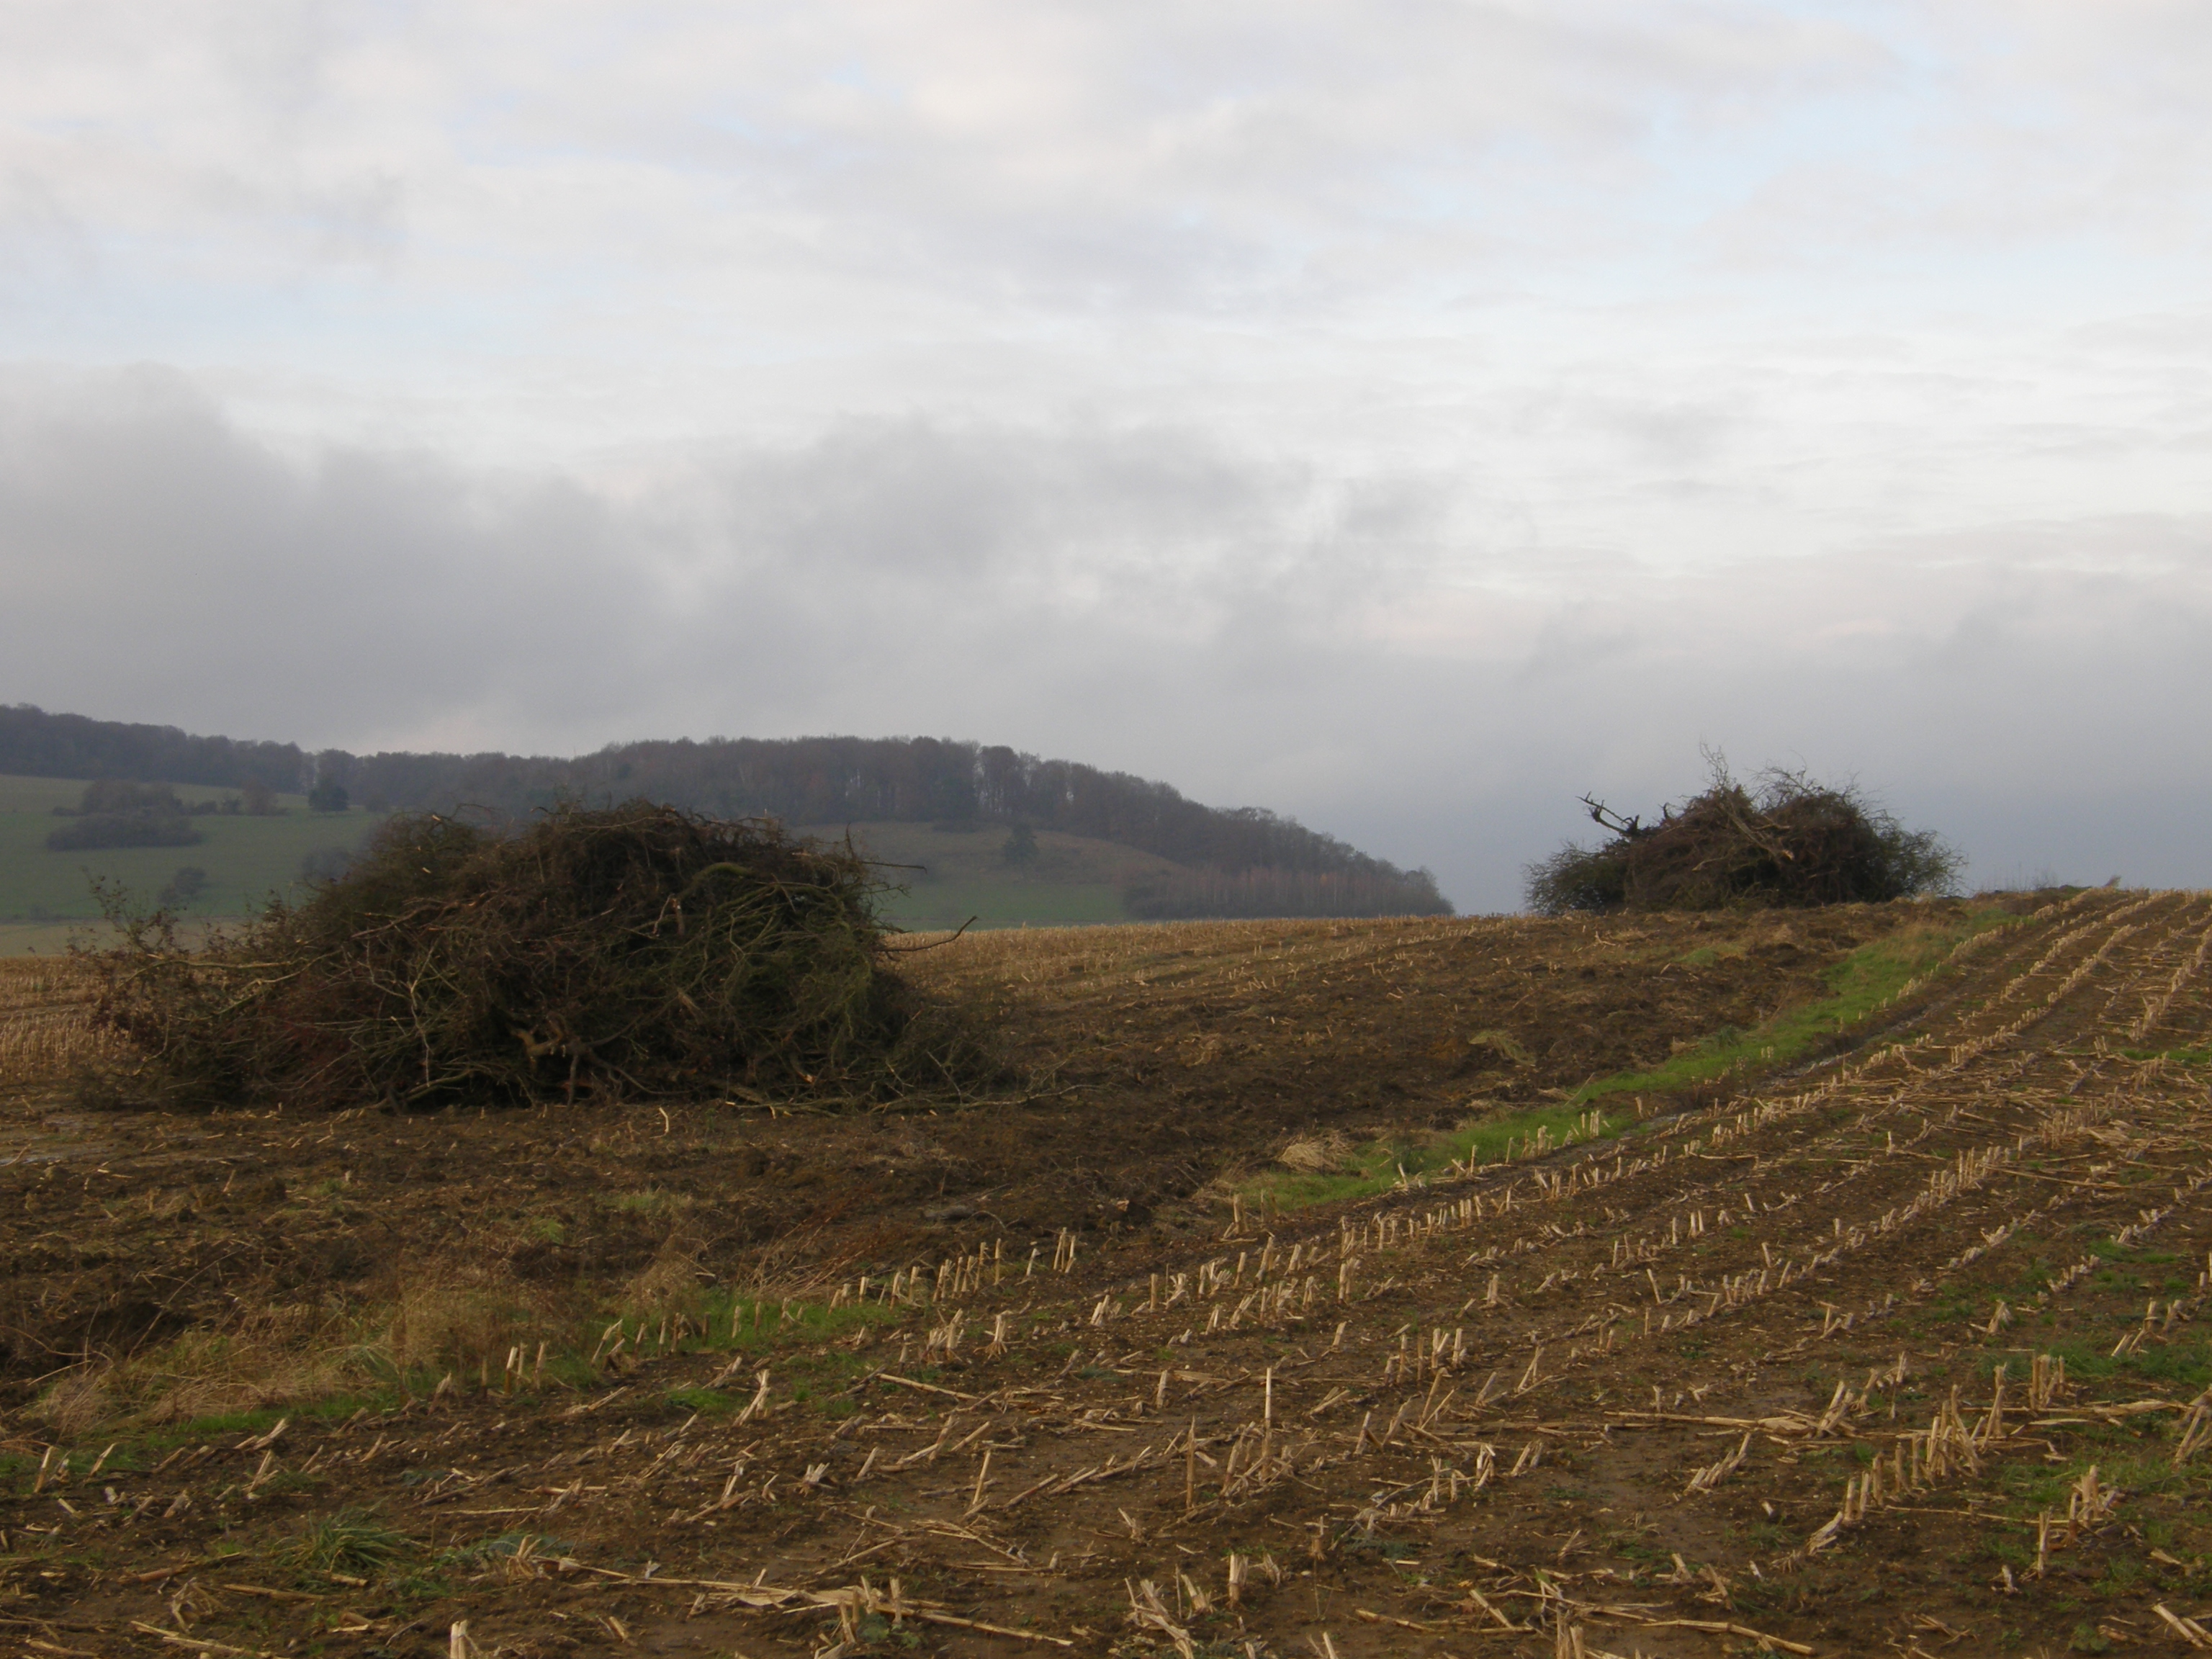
<point x="350" y="1541"/>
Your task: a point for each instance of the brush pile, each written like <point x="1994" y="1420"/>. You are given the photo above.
<point x="627" y="952"/>
<point x="1789" y="841"/>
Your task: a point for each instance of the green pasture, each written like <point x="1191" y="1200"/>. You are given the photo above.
<point x="45" y="895"/>
<point x="1005" y="903"/>
<point x="942" y="877"/>
<point x="48" y="939"/>
<point x="948" y="875"/>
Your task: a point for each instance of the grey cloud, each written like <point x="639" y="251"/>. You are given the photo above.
<point x="1150" y="599"/>
<point x="42" y="244"/>
<point x="152" y="546"/>
<point x="918" y="500"/>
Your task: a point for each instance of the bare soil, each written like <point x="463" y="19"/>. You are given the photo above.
<point x="1731" y="1380"/>
<point x="1163" y="1058"/>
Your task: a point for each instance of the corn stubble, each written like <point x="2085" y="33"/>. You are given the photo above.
<point x="48" y="1030"/>
<point x="1736" y="1382"/>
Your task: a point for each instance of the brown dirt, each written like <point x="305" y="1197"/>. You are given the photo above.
<point x="1164" y="1057"/>
<point x="1465" y="1418"/>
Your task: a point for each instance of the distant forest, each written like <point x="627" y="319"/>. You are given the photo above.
<point x="817" y="781"/>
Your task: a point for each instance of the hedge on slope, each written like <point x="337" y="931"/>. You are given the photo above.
<point x="634" y="952"/>
<point x="1789" y="841"/>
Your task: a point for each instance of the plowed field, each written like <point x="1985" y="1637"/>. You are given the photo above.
<point x="1896" y="1348"/>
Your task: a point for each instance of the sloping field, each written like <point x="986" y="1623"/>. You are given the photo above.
<point x="1874" y="1326"/>
<point x="951" y="875"/>
<point x="946" y="876"/>
<point x="242" y="860"/>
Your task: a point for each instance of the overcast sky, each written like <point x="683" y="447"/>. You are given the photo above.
<point x="1405" y="415"/>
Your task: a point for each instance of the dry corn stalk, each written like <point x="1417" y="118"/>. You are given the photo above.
<point x="2196" y="1432"/>
<point x="2186" y="1628"/>
<point x="1148" y="1611"/>
<point x="2046" y="1381"/>
<point x="1707" y="1479"/>
<point x="758" y="1403"/>
<point x="2089" y="1502"/>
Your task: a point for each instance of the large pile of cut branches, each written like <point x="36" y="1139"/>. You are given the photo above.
<point x="1786" y="841"/>
<point x="633" y="952"/>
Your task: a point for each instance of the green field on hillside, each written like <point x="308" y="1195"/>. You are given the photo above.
<point x="245" y="858"/>
<point x="948" y="875"/>
<point x="951" y="875"/>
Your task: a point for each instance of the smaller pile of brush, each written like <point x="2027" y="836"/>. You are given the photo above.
<point x="1789" y="841"/>
<point x="627" y="952"/>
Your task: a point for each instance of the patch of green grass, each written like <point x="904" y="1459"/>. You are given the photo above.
<point x="876" y="1630"/>
<point x="2141" y="1465"/>
<point x="707" y="1402"/>
<point x="589" y="1354"/>
<point x="140" y="1450"/>
<point x="507" y="1546"/>
<point x="712" y="1322"/>
<point x="2012" y="1550"/>
<point x="947" y="876"/>
<point x="221" y="1422"/>
<point x="1380" y="1166"/>
<point x="349" y="1540"/>
<point x="2120" y="1574"/>
<point x="1389" y="1549"/>
<point x="649" y="1201"/>
<point x="740" y="1321"/>
<point x="2182" y="1056"/>
<point x="2107" y="1249"/>
<point x="407" y="1591"/>
<point x="1858" y="985"/>
<point x="2186" y="1363"/>
<point x="1706" y="955"/>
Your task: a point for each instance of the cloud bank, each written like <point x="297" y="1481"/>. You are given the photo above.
<point x="1137" y="597"/>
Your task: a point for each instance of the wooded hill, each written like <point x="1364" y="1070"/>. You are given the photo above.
<point x="801" y="781"/>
